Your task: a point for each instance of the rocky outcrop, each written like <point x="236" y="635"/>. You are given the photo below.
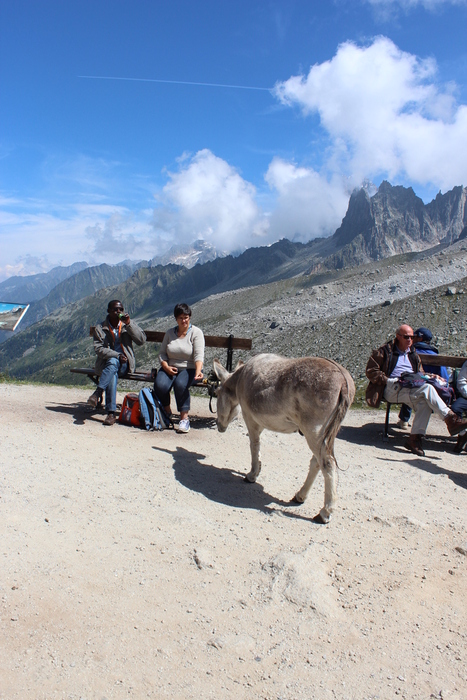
<point x="395" y="221"/>
<point x="448" y="214"/>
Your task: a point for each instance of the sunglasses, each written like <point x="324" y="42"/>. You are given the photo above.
<point x="406" y="337"/>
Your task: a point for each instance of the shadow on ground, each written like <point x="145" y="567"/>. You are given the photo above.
<point x="226" y="486"/>
<point x="201" y="423"/>
<point x="371" y="435"/>
<point x="458" y="478"/>
<point x="80" y="412"/>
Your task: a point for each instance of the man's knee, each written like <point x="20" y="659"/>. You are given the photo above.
<point x="431" y="395"/>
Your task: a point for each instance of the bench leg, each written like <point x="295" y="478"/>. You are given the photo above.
<point x="386" y="422"/>
<point x="100" y="401"/>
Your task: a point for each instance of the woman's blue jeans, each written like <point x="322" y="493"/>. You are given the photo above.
<point x="180" y="382"/>
<point x="108" y="382"/>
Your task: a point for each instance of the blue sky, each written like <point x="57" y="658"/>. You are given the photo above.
<point x="101" y="162"/>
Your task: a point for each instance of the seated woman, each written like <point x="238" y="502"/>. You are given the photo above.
<point x="181" y="358"/>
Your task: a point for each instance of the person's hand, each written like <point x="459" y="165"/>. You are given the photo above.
<point x="171" y="371"/>
<point x="123" y="359"/>
<point x="198" y="376"/>
<point x="126" y="319"/>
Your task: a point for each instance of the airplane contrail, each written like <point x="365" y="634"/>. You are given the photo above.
<point x="174" y="82"/>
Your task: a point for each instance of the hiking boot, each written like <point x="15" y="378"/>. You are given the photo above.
<point x="402" y="424"/>
<point x="110" y="420"/>
<point x="95" y="398"/>
<point x="183" y="426"/>
<point x="414" y="444"/>
<point x="461" y="442"/>
<point x="455" y="424"/>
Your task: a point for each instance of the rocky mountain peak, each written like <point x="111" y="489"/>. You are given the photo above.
<point x="395" y="220"/>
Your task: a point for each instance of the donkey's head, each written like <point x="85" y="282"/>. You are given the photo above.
<point x="227" y="402"/>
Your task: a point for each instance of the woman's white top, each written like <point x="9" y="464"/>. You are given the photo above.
<point x="182" y="353"/>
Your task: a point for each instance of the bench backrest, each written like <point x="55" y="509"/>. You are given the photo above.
<point x="442" y="360"/>
<point x="211" y="341"/>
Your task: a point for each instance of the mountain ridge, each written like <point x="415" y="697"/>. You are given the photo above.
<point x="373" y="228"/>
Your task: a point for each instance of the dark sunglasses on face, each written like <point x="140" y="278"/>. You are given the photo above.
<point x="406" y="337"/>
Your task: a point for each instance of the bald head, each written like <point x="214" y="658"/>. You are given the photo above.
<point x="404" y="337"/>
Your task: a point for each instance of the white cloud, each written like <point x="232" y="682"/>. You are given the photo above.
<point x="207" y="198"/>
<point x="387" y="10"/>
<point x="35" y="240"/>
<point x="117" y="238"/>
<point x="383" y="115"/>
<point x="308" y="205"/>
<point x="25" y="265"/>
<point x="409" y="4"/>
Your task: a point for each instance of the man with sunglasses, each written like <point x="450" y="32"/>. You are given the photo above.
<point x="384" y="369"/>
<point x="422" y="343"/>
<point x="113" y="344"/>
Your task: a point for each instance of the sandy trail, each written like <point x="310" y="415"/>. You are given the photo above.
<point x="142" y="565"/>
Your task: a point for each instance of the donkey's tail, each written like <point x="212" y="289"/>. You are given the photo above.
<point x="346" y="396"/>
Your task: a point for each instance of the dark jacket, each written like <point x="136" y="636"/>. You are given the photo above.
<point x="379" y="367"/>
<point x="104" y="343"/>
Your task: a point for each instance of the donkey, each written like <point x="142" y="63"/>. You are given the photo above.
<point x="309" y="394"/>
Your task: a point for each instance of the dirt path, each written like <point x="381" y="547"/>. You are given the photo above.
<point x="141" y="565"/>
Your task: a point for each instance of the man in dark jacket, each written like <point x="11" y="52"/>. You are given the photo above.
<point x="422" y="343"/>
<point x="384" y="369"/>
<point x="113" y="344"/>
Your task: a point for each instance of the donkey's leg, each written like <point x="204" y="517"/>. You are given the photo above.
<point x="301" y="495"/>
<point x="254" y="433"/>
<point x="330" y="486"/>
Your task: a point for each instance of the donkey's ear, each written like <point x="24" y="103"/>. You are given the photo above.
<point x="240" y="363"/>
<point x="220" y="371"/>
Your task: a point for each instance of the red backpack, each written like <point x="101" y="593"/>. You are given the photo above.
<point x="130" y="413"/>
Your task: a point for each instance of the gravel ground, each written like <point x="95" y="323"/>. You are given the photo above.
<point x="142" y="565"/>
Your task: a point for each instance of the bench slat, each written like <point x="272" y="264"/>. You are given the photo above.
<point x="211" y="341"/>
<point x="135" y="376"/>
<point x="442" y="360"/>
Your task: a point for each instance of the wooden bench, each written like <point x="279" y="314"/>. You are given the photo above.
<point x="230" y="343"/>
<point x="434" y="361"/>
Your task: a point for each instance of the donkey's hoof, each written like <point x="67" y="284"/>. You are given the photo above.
<point x="251" y="479"/>
<point x="298" y="498"/>
<point x="322" y="518"/>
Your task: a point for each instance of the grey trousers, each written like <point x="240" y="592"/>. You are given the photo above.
<point x="423" y="399"/>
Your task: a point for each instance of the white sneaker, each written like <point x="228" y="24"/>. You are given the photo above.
<point x="183" y="426"/>
<point x="402" y="424"/>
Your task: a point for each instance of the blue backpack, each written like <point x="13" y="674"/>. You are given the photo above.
<point x="153" y="415"/>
